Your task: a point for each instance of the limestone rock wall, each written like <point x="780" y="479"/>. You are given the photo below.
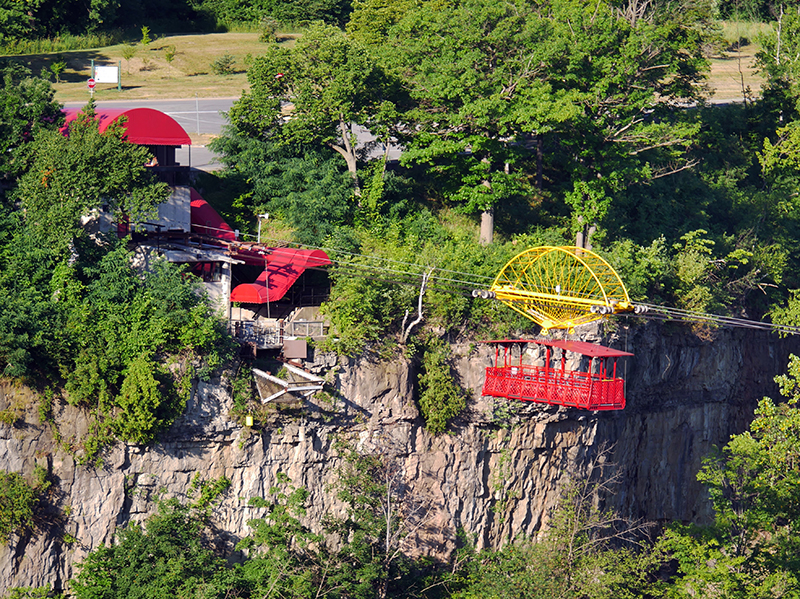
<point x="494" y="477"/>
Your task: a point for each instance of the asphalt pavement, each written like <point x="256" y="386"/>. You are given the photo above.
<point x="207" y="117"/>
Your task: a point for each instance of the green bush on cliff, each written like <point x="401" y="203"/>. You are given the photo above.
<point x="440" y="398"/>
<point x="169" y="556"/>
<point x="18" y="500"/>
<point x="146" y="404"/>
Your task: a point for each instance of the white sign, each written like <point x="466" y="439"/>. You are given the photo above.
<point x="106" y="74"/>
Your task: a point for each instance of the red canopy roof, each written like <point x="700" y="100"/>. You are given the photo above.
<point x="207" y="221"/>
<point x="284" y="267"/>
<point x="144" y="126"/>
<point x="579" y="347"/>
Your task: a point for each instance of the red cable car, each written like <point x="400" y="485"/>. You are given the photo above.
<point x="597" y="388"/>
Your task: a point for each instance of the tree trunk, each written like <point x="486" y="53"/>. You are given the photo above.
<point x="348" y="152"/>
<point x="583" y="238"/>
<point x="487" y="226"/>
<point x="580" y="236"/>
<point x="487" y="216"/>
<point x="590" y="230"/>
<point x="539" y="161"/>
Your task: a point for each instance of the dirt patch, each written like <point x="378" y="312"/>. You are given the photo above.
<point x="201" y="139"/>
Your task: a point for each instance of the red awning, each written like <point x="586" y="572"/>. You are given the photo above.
<point x="207" y="221"/>
<point x="284" y="267"/>
<point x="579" y="347"/>
<point x="144" y="126"/>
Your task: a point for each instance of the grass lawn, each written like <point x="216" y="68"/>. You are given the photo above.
<point x="148" y="74"/>
<point x="733" y="72"/>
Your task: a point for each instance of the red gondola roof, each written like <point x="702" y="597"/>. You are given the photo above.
<point x="144" y="126"/>
<point x="580" y="347"/>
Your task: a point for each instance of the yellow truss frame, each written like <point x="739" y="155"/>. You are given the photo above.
<point x="561" y="287"/>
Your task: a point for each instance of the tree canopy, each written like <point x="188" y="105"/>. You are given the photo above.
<point x="72" y="175"/>
<point x="328" y="85"/>
<point x="76" y="313"/>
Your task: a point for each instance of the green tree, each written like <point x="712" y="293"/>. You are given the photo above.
<point x="371" y="19"/>
<point x="169" y="556"/>
<point x="630" y="69"/>
<point x="380" y="515"/>
<point x="57" y="67"/>
<point x="334" y="12"/>
<point x="70" y="176"/>
<point x="298" y="12"/>
<point x="17" y="20"/>
<point x="594" y="82"/>
<point x="284" y="558"/>
<point x="305" y="186"/>
<point x="468" y="66"/>
<point x="331" y="84"/>
<point x="754" y="481"/>
<point x="779" y="61"/>
<point x="27" y="110"/>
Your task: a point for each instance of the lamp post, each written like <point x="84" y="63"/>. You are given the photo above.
<point x="265" y="216"/>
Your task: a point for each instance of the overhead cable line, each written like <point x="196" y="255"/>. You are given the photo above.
<point x="390" y="271"/>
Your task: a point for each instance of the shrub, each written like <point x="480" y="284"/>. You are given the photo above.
<point x="223" y="65"/>
<point x="440" y="398"/>
<point x="169" y="53"/>
<point x="146" y="406"/>
<point x="57" y="68"/>
<point x="17" y="502"/>
<point x="61" y="43"/>
<point x="128" y="51"/>
<point x="268" y="27"/>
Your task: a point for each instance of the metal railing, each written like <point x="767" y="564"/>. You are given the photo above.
<point x="258" y="334"/>
<point x="268" y="335"/>
<point x="554" y="386"/>
<point x="304" y="328"/>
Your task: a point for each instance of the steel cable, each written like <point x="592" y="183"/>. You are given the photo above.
<point x="389" y="271"/>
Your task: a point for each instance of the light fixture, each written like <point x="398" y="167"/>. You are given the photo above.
<point x="265" y="216"/>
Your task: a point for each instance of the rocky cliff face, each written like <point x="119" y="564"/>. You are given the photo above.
<point x="494" y="477"/>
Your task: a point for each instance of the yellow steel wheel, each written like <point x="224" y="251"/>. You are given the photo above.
<point x="561" y="287"/>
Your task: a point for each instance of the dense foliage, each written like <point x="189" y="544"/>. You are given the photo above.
<point x="558" y="122"/>
<point x="76" y="313"/>
<point x="18" y="501"/>
<point x="20" y="21"/>
<point x="751" y="549"/>
<point x="167" y="557"/>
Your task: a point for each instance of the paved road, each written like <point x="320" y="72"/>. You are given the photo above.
<point x="205" y="116"/>
<point x="201" y="116"/>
